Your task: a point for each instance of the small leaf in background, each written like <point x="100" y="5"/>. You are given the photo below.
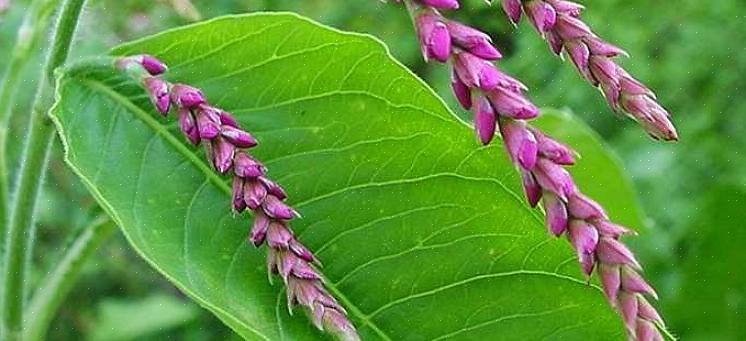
<point x="122" y="320"/>
<point x="424" y="234"/>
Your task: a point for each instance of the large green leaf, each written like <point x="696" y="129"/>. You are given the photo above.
<point x="424" y="235"/>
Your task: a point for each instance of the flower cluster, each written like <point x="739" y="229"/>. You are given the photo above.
<point x="558" y="21"/>
<point x="226" y="145"/>
<point x="499" y="105"/>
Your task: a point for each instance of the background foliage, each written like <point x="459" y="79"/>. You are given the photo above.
<point x="693" y="192"/>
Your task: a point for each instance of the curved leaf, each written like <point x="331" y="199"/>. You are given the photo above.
<point x="424" y="236"/>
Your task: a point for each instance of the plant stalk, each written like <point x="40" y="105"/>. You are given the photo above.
<point x="55" y="287"/>
<point x="30" y="35"/>
<point x="31" y="176"/>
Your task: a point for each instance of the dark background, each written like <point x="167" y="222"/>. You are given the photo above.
<point x="692" y="52"/>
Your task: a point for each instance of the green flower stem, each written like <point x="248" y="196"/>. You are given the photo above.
<point x="55" y="287"/>
<point x="30" y="178"/>
<point x="30" y="35"/>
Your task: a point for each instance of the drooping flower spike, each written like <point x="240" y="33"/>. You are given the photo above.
<point x="226" y="144"/>
<point x="558" y="21"/>
<point x="499" y="105"/>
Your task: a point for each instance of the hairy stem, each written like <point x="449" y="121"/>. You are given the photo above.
<point x="55" y="287"/>
<point x="30" y="35"/>
<point x="30" y="178"/>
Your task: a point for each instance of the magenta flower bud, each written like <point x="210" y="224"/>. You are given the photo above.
<point x="434" y="37"/>
<point x="612" y="251"/>
<point x="651" y="115"/>
<point x="646" y="311"/>
<point x="476" y="42"/>
<point x="582" y="207"/>
<point x="628" y="308"/>
<point x="599" y="47"/>
<point x="461" y="91"/>
<point x="152" y="65"/>
<point x="278" y="209"/>
<point x="301" y="251"/>
<point x="227" y="119"/>
<point x="513" y="10"/>
<point x="554" y="178"/>
<point x="584" y="237"/>
<point x="254" y="193"/>
<point x="186" y="96"/>
<point x="646" y="331"/>
<point x="278" y="235"/>
<point x="542" y="15"/>
<point x="239" y="204"/>
<point x="273" y="188"/>
<point x="611" y="281"/>
<point x="302" y="270"/>
<point x="569" y="28"/>
<point x="566" y="7"/>
<point x="259" y="228"/>
<point x="556" y="214"/>
<point x="606" y="72"/>
<point x="476" y="72"/>
<point x="158" y="92"/>
<point x="633" y="282"/>
<point x="521" y="143"/>
<point x="442" y="4"/>
<point x="238" y="137"/>
<point x="531" y="188"/>
<point x="208" y="122"/>
<point x="553" y="150"/>
<point x="246" y="167"/>
<point x="580" y="55"/>
<point x="512" y="104"/>
<point x="188" y="126"/>
<point x="222" y="155"/>
<point x="609" y="229"/>
<point x="485" y="120"/>
<point x="555" y="42"/>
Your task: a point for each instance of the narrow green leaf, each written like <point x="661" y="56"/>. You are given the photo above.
<point x="424" y="235"/>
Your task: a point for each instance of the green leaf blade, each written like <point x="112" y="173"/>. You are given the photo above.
<point x="424" y="235"/>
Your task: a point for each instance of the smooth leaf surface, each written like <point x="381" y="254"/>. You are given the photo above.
<point x="424" y="235"/>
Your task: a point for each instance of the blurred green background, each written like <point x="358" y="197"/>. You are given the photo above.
<point x="692" y="52"/>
